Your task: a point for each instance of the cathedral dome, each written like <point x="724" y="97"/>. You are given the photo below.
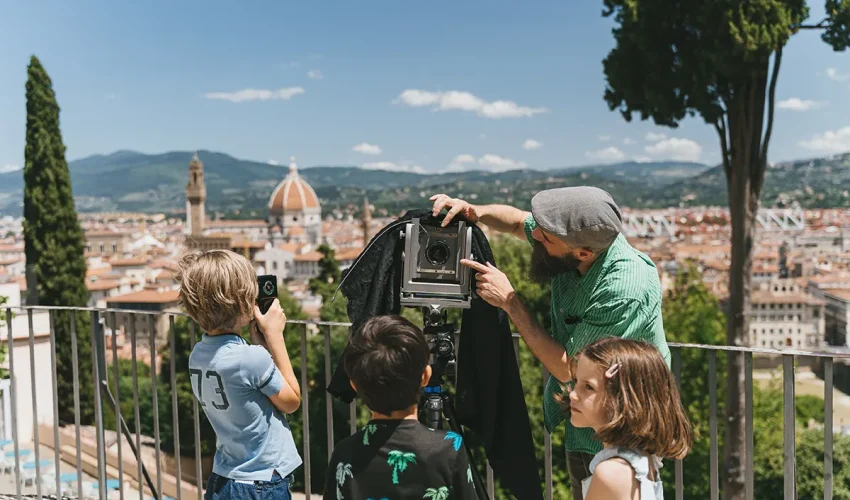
<point x="293" y="195"/>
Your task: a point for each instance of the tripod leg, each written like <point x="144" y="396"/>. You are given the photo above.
<point x="449" y="410"/>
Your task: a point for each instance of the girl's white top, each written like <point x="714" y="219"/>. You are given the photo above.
<point x="649" y="489"/>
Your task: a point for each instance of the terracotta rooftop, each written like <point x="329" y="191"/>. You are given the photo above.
<point x="312" y="256"/>
<point x="840" y="293"/>
<point x="766" y="297"/>
<point x="135" y="262"/>
<point x="101" y="285"/>
<point x="348" y="253"/>
<point x="237" y="223"/>
<point x="146" y="297"/>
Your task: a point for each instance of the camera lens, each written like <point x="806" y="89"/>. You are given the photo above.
<point x="437" y="253"/>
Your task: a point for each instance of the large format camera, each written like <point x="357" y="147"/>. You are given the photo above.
<point x="432" y="273"/>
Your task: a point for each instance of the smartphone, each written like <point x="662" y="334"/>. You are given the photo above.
<point x="268" y="291"/>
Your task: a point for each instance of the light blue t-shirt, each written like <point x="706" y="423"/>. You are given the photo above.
<point x="232" y="381"/>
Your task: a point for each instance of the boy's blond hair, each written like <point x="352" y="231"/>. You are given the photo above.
<point x="217" y="288"/>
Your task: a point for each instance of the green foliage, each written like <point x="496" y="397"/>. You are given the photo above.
<point x="668" y="64"/>
<point x="692" y="315"/>
<point x="513" y="257"/>
<point x="53" y="239"/>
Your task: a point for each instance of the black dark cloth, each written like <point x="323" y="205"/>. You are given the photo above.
<point x="399" y="459"/>
<point x="489" y="399"/>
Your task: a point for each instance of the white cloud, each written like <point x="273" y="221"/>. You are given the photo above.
<point x="463" y="159"/>
<point x="489" y="161"/>
<point x="244" y="95"/>
<point x="604" y="138"/>
<point x="315" y="74"/>
<point x="609" y="154"/>
<point x="394" y="167"/>
<point x="531" y="144"/>
<point x="9" y="167"/>
<point x="111" y="96"/>
<point x="642" y="159"/>
<point x="675" y="148"/>
<point x="367" y="149"/>
<point x="497" y="162"/>
<point x="797" y="104"/>
<point x="837" y="141"/>
<point x="628" y="141"/>
<point x="482" y="136"/>
<point x="465" y="101"/>
<point x="834" y="74"/>
<point x="653" y="137"/>
<point x="273" y="162"/>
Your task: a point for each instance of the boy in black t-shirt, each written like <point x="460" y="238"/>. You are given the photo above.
<point x="395" y="457"/>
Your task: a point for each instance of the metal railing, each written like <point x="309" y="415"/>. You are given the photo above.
<point x="109" y="397"/>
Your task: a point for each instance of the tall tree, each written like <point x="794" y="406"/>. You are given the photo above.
<point x="720" y="60"/>
<point x="53" y="241"/>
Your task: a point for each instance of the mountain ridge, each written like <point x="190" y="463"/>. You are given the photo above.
<point x="129" y="180"/>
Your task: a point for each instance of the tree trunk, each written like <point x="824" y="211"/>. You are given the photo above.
<point x="743" y="206"/>
<point x="744" y="161"/>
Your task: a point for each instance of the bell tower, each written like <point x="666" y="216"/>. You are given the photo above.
<point x="196" y="195"/>
<point x="366" y="221"/>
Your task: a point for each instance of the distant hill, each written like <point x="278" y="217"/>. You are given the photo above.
<point x="814" y="183"/>
<point x="127" y="180"/>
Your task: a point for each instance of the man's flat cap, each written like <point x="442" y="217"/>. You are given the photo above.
<point x="581" y="216"/>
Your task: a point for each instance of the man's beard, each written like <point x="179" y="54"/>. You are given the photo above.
<point x="544" y="267"/>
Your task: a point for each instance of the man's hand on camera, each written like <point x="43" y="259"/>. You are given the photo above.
<point x="492" y="284"/>
<point x="272" y="323"/>
<point x="455" y="206"/>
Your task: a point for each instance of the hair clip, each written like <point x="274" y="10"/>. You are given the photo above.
<point x="612" y="370"/>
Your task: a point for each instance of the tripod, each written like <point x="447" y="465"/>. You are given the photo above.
<point x="437" y="403"/>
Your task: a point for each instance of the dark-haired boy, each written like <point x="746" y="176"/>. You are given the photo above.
<point x="394" y="456"/>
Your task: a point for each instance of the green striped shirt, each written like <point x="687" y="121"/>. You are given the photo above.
<point x="619" y="296"/>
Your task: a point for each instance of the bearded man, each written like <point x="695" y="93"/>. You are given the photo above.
<point x="601" y="287"/>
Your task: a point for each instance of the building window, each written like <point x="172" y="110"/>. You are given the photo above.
<point x="101" y="248"/>
<point x="114" y="248"/>
<point x="274" y="265"/>
<point x="816" y="312"/>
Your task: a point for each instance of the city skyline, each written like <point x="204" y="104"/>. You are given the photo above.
<point x="493" y="86"/>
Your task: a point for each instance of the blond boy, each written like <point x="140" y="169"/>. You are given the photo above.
<point x="244" y="389"/>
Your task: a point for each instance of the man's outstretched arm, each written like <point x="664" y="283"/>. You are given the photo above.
<point x="501" y="218"/>
<point x="494" y="287"/>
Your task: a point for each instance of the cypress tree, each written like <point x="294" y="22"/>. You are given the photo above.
<point x="53" y="241"/>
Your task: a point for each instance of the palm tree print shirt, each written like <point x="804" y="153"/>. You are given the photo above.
<point x="399" y="460"/>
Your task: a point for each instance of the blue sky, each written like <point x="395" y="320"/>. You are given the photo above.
<point x="394" y="84"/>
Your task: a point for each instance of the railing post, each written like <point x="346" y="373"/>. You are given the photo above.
<point x="76" y="376"/>
<point x="34" y="387"/>
<point x="789" y="427"/>
<point x="827" y="429"/>
<point x="329" y="411"/>
<point x="174" y="408"/>
<point x="712" y="398"/>
<point x="195" y="415"/>
<point x="13" y="389"/>
<point x="99" y="376"/>
<point x="676" y="353"/>
<point x="749" y="473"/>
<point x="116" y="374"/>
<point x="56" y="446"/>
<point x="154" y="375"/>
<point x="305" y="412"/>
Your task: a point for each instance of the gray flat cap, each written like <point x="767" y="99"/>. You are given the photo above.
<point x="582" y="216"/>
